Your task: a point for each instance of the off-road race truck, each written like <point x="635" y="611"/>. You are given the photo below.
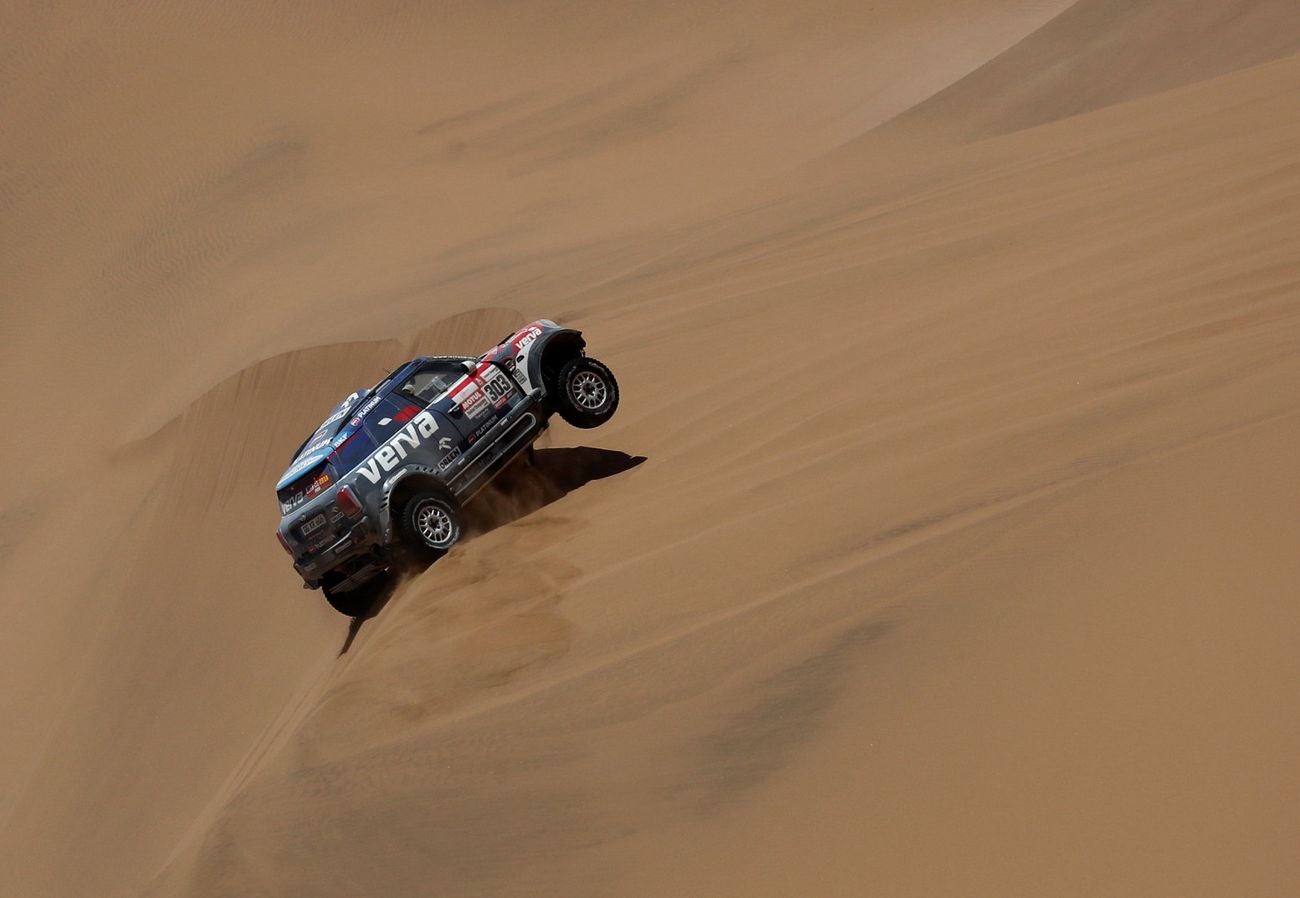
<point x="382" y="480"/>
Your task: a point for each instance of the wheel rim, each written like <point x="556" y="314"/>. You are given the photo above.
<point x="588" y="390"/>
<point x="434" y="524"/>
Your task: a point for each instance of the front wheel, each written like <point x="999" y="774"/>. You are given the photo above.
<point x="587" y="393"/>
<point x="428" y="524"/>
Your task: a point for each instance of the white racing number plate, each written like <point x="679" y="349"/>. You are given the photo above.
<point x="311" y="526"/>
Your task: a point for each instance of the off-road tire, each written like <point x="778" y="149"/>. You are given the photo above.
<point x="586" y="393"/>
<point x="428" y="524"/>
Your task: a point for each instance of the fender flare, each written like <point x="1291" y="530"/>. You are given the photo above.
<point x="390" y="485"/>
<point x="538" y="350"/>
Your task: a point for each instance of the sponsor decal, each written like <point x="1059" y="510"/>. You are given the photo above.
<point x="311" y="490"/>
<point x="527" y="337"/>
<point x="344" y="407"/>
<point x="498" y="387"/>
<point x="444" y="443"/>
<point x="482" y="429"/>
<point x="449" y="459"/>
<point x="471" y="400"/>
<point x="478" y="407"/>
<point x="386" y="457"/>
<point x="366" y="408"/>
<point x="318" y="485"/>
<point x="342" y="440"/>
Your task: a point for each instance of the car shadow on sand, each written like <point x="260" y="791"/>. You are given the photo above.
<point x="528" y="485"/>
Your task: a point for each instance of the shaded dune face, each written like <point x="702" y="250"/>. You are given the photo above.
<point x="1098" y="53"/>
<point x="941" y="544"/>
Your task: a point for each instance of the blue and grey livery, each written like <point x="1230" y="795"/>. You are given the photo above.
<point x="385" y="474"/>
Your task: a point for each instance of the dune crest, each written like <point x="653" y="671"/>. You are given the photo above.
<point x="1098" y="53"/>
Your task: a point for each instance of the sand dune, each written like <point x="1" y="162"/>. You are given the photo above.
<point x="1101" y="52"/>
<point x="943" y="543"/>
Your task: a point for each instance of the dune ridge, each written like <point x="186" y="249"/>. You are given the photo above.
<point x="1097" y="53"/>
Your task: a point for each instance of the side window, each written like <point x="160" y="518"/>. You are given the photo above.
<point x="430" y="382"/>
<point x="351" y="452"/>
<point x="384" y="420"/>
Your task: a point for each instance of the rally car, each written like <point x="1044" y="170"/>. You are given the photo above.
<point x="383" y="479"/>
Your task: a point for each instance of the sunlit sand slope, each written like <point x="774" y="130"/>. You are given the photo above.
<point x="959" y="557"/>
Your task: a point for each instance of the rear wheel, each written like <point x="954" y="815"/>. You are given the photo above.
<point x="428" y="524"/>
<point x="586" y="392"/>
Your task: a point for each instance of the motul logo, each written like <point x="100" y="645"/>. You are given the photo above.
<point x="422" y="427"/>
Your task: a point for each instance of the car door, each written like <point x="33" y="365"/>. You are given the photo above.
<point x="478" y="403"/>
<point x="429" y="388"/>
<point x="483" y="399"/>
<point x="475" y="398"/>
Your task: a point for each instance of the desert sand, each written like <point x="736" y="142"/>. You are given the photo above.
<point x="945" y="542"/>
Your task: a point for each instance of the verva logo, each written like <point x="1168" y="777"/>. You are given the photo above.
<point x="422" y="427"/>
<point x="527" y="338"/>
